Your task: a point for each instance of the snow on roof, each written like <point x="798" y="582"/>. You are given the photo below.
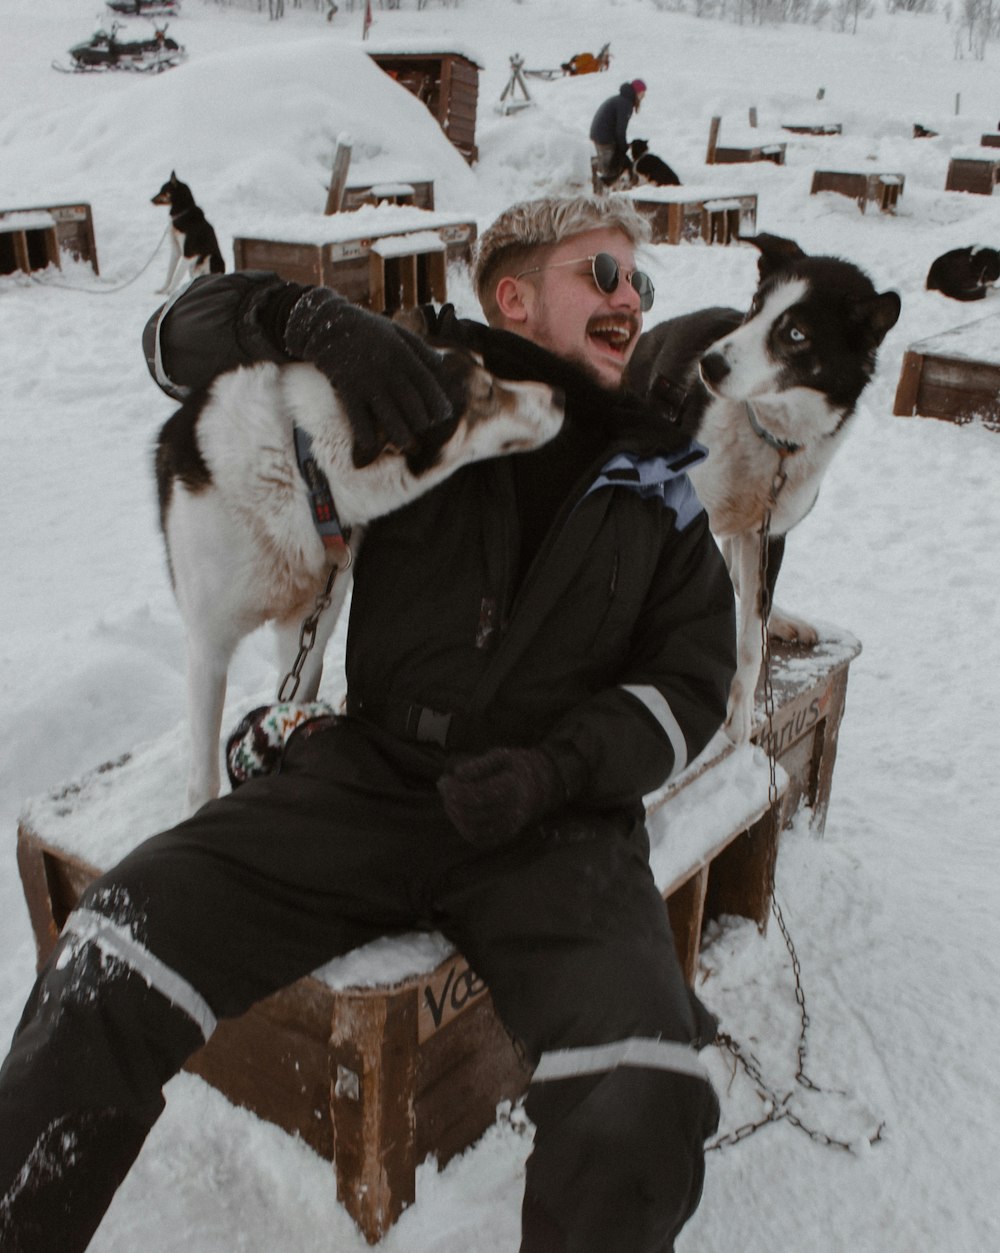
<point x="366" y="222"/>
<point x="430" y="47"/>
<point x="972" y="341"/>
<point x="29" y="220"/>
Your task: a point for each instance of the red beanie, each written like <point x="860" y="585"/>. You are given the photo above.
<point x="638" y="86"/>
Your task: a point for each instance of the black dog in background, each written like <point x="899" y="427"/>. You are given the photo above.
<point x="648" y="167"/>
<point x="965" y="273"/>
<point x="194" y="248"/>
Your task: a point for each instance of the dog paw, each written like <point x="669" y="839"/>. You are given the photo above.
<point x="739" y="715"/>
<point x="785" y="626"/>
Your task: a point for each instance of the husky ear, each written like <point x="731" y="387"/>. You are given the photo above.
<point x="880" y="314"/>
<point x="775" y="252"/>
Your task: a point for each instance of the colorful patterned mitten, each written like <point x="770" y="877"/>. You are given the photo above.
<point x="258" y="744"/>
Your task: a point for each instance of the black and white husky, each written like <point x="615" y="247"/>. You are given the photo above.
<point x="965" y="273"/>
<point x="194" y="249"/>
<point x="770" y="393"/>
<point x="243" y="541"/>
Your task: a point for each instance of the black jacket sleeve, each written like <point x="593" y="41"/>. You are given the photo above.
<point x="215" y="324"/>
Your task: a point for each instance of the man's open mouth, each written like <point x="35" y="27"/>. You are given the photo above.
<point x="614" y="332"/>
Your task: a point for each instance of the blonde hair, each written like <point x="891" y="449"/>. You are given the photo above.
<point x="523" y="234"/>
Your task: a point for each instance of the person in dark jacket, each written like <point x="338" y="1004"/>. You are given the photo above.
<point x="533" y="646"/>
<point x="608" y="130"/>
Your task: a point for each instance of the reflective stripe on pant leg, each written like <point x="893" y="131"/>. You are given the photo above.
<point x="655" y="1054"/>
<point x="87" y="926"/>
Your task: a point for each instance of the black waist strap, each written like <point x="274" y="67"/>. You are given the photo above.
<point x="418" y="723"/>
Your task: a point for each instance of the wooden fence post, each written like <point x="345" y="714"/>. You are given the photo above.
<point x="713" y="139"/>
<point x="338" y="179"/>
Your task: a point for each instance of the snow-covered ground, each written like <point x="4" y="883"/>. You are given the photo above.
<point x="894" y="910"/>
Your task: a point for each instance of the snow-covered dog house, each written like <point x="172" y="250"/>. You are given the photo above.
<point x="385" y="258"/>
<point x="866" y="188"/>
<point x="685" y="214"/>
<point x="805" y="127"/>
<point x="416" y="192"/>
<point x="448" y="84"/>
<point x="954" y="375"/>
<point x="394" y="1053"/>
<point x="749" y="147"/>
<point x="33" y="238"/>
<point x="973" y="171"/>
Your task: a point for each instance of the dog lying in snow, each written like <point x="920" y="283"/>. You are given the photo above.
<point x="235" y="509"/>
<point x="965" y="273"/>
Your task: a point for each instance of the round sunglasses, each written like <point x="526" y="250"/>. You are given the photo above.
<point x="607" y="274"/>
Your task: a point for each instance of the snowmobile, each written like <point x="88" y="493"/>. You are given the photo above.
<point x="145" y="8"/>
<point x="106" y="51"/>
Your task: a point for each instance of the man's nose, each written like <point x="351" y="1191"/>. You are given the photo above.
<point x="625" y="296"/>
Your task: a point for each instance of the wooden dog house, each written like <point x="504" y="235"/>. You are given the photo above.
<point x="686" y="214"/>
<point x="33" y="238"/>
<point x="974" y="172"/>
<point x="866" y="188"/>
<point x="377" y="1076"/>
<point x="751" y="147"/>
<point x="416" y="192"/>
<point x="954" y="375"/>
<point x="386" y="258"/>
<point x="447" y="83"/>
<point x="813" y="128"/>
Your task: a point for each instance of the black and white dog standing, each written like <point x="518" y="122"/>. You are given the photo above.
<point x="770" y="393"/>
<point x="238" y="508"/>
<point x="194" y="249"/>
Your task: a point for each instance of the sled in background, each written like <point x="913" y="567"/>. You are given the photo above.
<point x="587" y="63"/>
<point x="145" y="8"/>
<point x="105" y="51"/>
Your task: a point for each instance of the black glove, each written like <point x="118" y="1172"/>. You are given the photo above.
<point x="492" y="797"/>
<point x="384" y="375"/>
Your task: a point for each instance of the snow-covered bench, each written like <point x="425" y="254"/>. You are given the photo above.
<point x="394" y="1052"/>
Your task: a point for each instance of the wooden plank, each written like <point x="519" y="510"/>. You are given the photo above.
<point x="905" y="403"/>
<point x="299" y="263"/>
<point x="977" y="177"/>
<point x="274" y="1061"/>
<point x="373" y="1062"/>
<point x="740" y="878"/>
<point x="463" y="1071"/>
<point x="686" y="909"/>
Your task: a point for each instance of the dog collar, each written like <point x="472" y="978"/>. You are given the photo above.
<point x="783" y="446"/>
<point x="321" y="504"/>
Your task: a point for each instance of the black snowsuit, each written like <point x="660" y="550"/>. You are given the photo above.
<point x="612" y="645"/>
<point x="608" y="131"/>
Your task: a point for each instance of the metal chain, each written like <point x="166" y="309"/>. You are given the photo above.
<point x="307" y="632"/>
<point x="776" y="1108"/>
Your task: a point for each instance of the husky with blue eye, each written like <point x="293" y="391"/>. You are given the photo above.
<point x="770" y="393"/>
